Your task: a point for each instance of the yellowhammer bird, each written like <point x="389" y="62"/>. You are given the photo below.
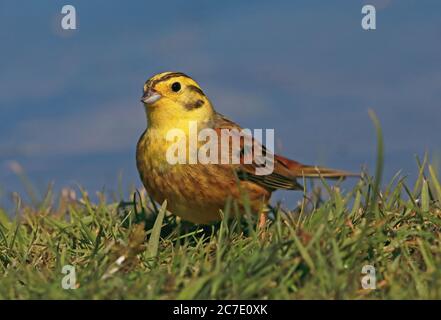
<point x="197" y="192"/>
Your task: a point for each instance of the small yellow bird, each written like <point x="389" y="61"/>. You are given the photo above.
<point x="197" y="192"/>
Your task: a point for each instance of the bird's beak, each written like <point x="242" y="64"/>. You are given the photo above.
<point x="150" y="96"/>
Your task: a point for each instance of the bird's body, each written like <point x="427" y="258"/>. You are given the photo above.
<point x="197" y="192"/>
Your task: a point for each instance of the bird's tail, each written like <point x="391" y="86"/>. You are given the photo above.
<point x="300" y="170"/>
<point x="317" y="172"/>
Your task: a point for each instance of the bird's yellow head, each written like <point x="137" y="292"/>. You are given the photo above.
<point x="172" y="99"/>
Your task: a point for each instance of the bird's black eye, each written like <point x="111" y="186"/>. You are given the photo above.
<point x="176" y="86"/>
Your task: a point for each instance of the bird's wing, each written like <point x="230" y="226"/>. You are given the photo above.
<point x="285" y="171"/>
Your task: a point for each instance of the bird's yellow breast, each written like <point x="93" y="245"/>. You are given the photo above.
<point x="195" y="192"/>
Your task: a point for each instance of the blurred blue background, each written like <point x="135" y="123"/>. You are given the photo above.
<point x="69" y="100"/>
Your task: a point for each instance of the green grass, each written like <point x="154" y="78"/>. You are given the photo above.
<point x="316" y="251"/>
<point x="135" y="250"/>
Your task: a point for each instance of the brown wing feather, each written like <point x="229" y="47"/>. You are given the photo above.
<point x="285" y="170"/>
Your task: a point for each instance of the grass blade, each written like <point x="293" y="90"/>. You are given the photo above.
<point x="435" y="182"/>
<point x="425" y="199"/>
<point x="379" y="164"/>
<point x="152" y="247"/>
